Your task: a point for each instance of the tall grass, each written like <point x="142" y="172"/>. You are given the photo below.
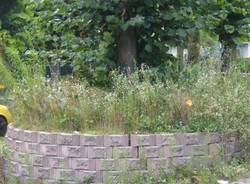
<point x="138" y="103"/>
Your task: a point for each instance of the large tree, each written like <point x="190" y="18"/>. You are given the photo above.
<point x="230" y="20"/>
<point x="142" y="31"/>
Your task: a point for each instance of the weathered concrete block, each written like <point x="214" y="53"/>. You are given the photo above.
<point x="177" y="161"/>
<point x="83" y="164"/>
<point x="47" y="138"/>
<point x="16" y="133"/>
<point x="125" y="152"/>
<point x="64" y="174"/>
<point x="23" y="158"/>
<point x="214" y="138"/>
<point x="10" y="143"/>
<point x="73" y="151"/>
<point x="68" y="139"/>
<point x="26" y="170"/>
<point x="133" y="164"/>
<point x="108" y="165"/>
<point x="85" y="176"/>
<point x="157" y="164"/>
<point x="165" y="139"/>
<point x="32" y="148"/>
<point x="143" y="140"/>
<point x="195" y="138"/>
<point x="51" y="150"/>
<point x="100" y="152"/>
<point x="58" y="162"/>
<point x="215" y="149"/>
<point x="175" y="151"/>
<point x="29" y="136"/>
<point x="42" y="173"/>
<point x="19" y="146"/>
<point x="201" y="161"/>
<point x="91" y="140"/>
<point x="180" y="139"/>
<point x="116" y="140"/>
<point x="149" y="152"/>
<point x="39" y="160"/>
<point x="197" y="150"/>
<point x="231" y="148"/>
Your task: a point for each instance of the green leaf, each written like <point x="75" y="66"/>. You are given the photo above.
<point x="148" y="48"/>
<point x="229" y="28"/>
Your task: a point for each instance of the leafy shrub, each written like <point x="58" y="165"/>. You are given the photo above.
<point x="135" y="104"/>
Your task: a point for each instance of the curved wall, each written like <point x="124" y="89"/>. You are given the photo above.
<point x="70" y="158"/>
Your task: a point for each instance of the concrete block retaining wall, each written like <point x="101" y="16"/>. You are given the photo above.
<point x="74" y="157"/>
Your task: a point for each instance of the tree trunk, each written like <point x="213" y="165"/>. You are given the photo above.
<point x="234" y="53"/>
<point x="193" y="48"/>
<point x="180" y="57"/>
<point x="127" y="50"/>
<point x="226" y="57"/>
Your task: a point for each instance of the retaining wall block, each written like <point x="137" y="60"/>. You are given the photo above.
<point x="26" y="170"/>
<point x="68" y="139"/>
<point x="201" y="161"/>
<point x="22" y="158"/>
<point x="178" y="161"/>
<point x="32" y="147"/>
<point x="125" y="152"/>
<point x="91" y="140"/>
<point x="215" y="149"/>
<point x="39" y="160"/>
<point x="42" y="173"/>
<point x="197" y="150"/>
<point x="74" y="151"/>
<point x="194" y="139"/>
<point x="149" y="152"/>
<point x="108" y="165"/>
<point x="175" y="151"/>
<point x="64" y="174"/>
<point x="29" y="136"/>
<point x="143" y="140"/>
<point x="214" y="138"/>
<point x="100" y="152"/>
<point x="47" y="138"/>
<point x="165" y="139"/>
<point x="83" y="164"/>
<point x="84" y="176"/>
<point x="19" y="146"/>
<point x="50" y="150"/>
<point x="116" y="140"/>
<point x="134" y="164"/>
<point x="58" y="162"/>
<point x="158" y="164"/>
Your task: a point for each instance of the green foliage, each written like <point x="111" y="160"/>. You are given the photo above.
<point x="229" y="20"/>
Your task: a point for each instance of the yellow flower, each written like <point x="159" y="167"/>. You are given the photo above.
<point x="189" y="103"/>
<point x="2" y="87"/>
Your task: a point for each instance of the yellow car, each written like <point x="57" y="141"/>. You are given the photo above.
<point x="5" y="118"/>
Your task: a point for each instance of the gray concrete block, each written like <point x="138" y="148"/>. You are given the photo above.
<point x="83" y="164"/>
<point x="165" y="139"/>
<point x="116" y="140"/>
<point x="100" y="152"/>
<point x="125" y="152"/>
<point x="68" y="139"/>
<point x="73" y="151"/>
<point x="91" y="140"/>
<point x="50" y="150"/>
<point x="143" y="140"/>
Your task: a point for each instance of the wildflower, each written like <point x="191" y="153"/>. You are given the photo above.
<point x="189" y="103"/>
